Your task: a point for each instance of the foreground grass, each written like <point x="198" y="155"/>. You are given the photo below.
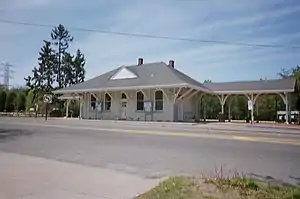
<point x="219" y="188"/>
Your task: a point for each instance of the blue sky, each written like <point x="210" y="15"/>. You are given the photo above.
<point x="262" y="22"/>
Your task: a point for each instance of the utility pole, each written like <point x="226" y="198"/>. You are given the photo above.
<point x="5" y="69"/>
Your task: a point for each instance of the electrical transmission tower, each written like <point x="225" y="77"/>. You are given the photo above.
<point x="5" y="72"/>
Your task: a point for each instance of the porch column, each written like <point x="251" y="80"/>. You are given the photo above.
<point x="67" y="108"/>
<point x="222" y="99"/>
<point x="252" y="112"/>
<point x="287" y="108"/>
<point x="251" y="102"/>
<point x="197" y="110"/>
<point x="229" y="111"/>
<point x="80" y="107"/>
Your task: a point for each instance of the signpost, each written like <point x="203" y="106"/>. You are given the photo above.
<point x="148" y="109"/>
<point x="47" y="101"/>
<point x="250" y="109"/>
<point x="250" y="105"/>
<point x="98" y="108"/>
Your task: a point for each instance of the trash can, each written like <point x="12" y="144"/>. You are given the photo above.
<point x="221" y="117"/>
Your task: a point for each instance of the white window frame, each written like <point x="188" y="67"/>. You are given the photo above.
<point x="137" y="101"/>
<point x="92" y="104"/>
<point x="105" y="107"/>
<point x="160" y="100"/>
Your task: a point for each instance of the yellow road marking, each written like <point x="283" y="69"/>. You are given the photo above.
<point x="169" y="133"/>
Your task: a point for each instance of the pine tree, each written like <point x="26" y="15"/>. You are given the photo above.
<point x="46" y="65"/>
<point x="67" y="68"/>
<point x="61" y="38"/>
<point x="43" y="76"/>
<point x="79" y="71"/>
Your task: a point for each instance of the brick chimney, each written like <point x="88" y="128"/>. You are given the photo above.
<point x="140" y="61"/>
<point x="171" y="63"/>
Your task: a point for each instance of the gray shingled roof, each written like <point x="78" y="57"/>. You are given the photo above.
<point x="263" y="86"/>
<point x="149" y="75"/>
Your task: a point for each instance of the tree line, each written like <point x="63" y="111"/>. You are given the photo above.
<point x="56" y="68"/>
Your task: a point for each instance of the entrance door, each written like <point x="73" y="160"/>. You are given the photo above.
<point x="123" y="115"/>
<point x="123" y="109"/>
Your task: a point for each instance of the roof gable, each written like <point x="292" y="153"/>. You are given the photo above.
<point x="123" y="73"/>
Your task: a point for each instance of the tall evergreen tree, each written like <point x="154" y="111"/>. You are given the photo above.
<point x="79" y="71"/>
<point x="67" y="70"/>
<point x="43" y="75"/>
<point x="61" y="38"/>
<point x="46" y="63"/>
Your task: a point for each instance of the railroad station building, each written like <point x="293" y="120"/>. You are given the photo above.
<point x="159" y="92"/>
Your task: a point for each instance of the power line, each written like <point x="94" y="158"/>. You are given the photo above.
<point x="153" y="36"/>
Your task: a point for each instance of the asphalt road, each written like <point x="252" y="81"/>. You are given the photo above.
<point x="158" y="150"/>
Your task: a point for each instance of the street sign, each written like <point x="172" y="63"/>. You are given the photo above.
<point x="48" y="98"/>
<point x="250" y="105"/>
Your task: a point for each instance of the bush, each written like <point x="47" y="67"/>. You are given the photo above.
<point x="55" y="113"/>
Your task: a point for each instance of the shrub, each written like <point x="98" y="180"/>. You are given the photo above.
<point x="55" y="113"/>
<point x="3" y="96"/>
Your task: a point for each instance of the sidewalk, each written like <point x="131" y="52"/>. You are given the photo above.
<point x="29" y="177"/>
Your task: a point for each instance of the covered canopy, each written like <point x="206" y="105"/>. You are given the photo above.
<point x="246" y="87"/>
<point x="68" y="97"/>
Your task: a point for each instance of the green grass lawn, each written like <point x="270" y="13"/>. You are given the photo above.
<point x="219" y="188"/>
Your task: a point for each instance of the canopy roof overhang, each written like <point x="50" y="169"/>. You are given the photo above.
<point x="122" y="88"/>
<point x="69" y="97"/>
<point x="240" y="87"/>
<point x="255" y="87"/>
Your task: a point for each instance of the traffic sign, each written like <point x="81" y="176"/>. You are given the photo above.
<point x="48" y="98"/>
<point x="250" y="105"/>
